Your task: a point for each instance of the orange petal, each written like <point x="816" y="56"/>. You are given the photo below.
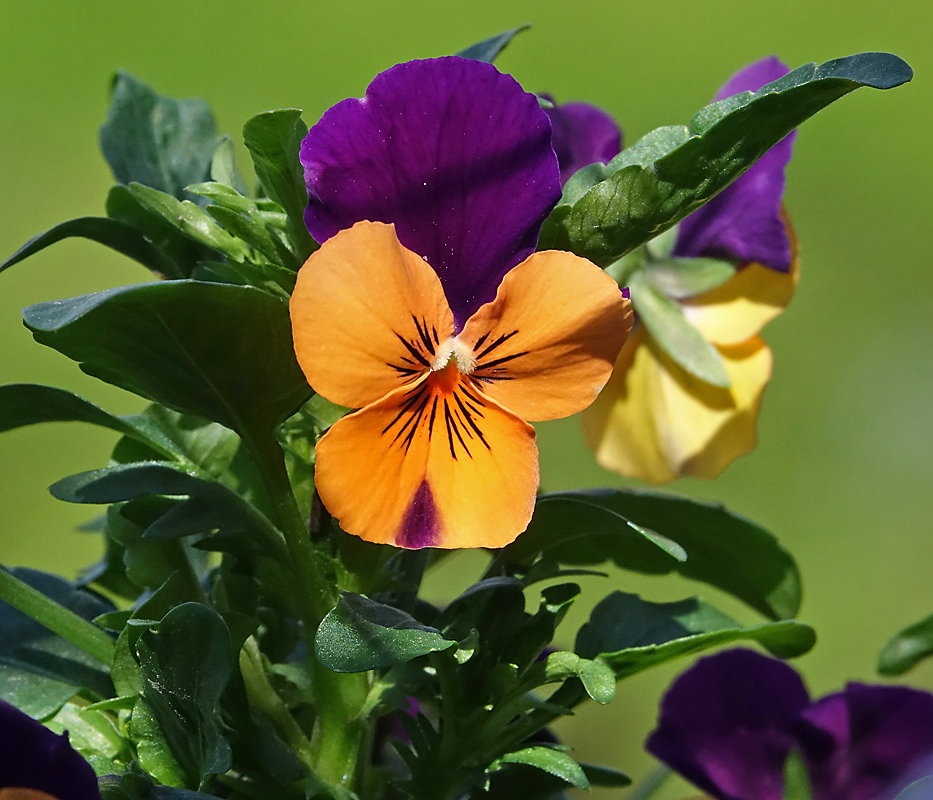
<point x="546" y="345"/>
<point x="656" y="422"/>
<point x="366" y="315"/>
<point x="749" y="300"/>
<point x="434" y="464"/>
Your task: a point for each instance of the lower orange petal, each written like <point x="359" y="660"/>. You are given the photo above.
<point x="656" y="422"/>
<point x="434" y="464"/>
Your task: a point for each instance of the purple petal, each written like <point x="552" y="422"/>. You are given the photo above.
<point x="743" y="222"/>
<point x="32" y="757"/>
<point x="421" y="523"/>
<point x="727" y="724"/>
<point x="860" y="743"/>
<point x="453" y="152"/>
<point x="582" y="134"/>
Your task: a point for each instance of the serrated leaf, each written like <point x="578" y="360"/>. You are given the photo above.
<point x="674" y="170"/>
<point x="360" y="634"/>
<point x="680" y="278"/>
<point x="273" y="139"/>
<point x="723" y="549"/>
<point x="665" y="320"/>
<point x="907" y="648"/>
<point x="488" y="49"/>
<point x="156" y="140"/>
<point x="554" y="762"/>
<point x="112" y="233"/>
<point x="632" y="635"/>
<point x="219" y="351"/>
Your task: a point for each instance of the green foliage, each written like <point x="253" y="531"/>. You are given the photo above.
<point x="222" y="352"/>
<point x="155" y="140"/>
<point x="907" y="648"/>
<point x="631" y="634"/>
<point x="489" y="49"/>
<point x="796" y="778"/>
<point x="607" y="211"/>
<point x="361" y="634"/>
<point x="718" y="547"/>
<point x="554" y="762"/>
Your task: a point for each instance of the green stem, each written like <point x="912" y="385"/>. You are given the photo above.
<point x="58" y="619"/>
<point x="339" y="728"/>
<point x="652" y="782"/>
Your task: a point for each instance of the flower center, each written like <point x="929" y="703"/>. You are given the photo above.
<point x="454" y="351"/>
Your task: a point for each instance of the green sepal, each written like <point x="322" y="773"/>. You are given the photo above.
<point x="670" y="329"/>
<point x="907" y="648"/>
<point x="155" y="140"/>
<point x="672" y="171"/>
<point x="219" y="351"/>
<point x="682" y="278"/>
<point x="632" y="635"/>
<point x="360" y="634"/>
<point x="489" y="49"/>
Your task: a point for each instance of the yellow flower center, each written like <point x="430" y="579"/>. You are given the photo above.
<point x="453" y="350"/>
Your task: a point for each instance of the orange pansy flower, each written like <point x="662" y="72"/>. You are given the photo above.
<point x="439" y="453"/>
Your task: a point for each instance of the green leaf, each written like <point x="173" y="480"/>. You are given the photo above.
<point x="598" y="678"/>
<point x="723" y="549"/>
<point x="673" y="171"/>
<point x="796" y="778"/>
<point x="209" y="506"/>
<point x="38" y="668"/>
<point x="664" y="319"/>
<point x="152" y="748"/>
<point x="186" y="666"/>
<point x="94" y="735"/>
<point x="223" y="164"/>
<point x="605" y="776"/>
<point x="218" y="351"/>
<point x="24" y="404"/>
<point x="273" y="139"/>
<point x="907" y="648"/>
<point x="488" y="49"/>
<point x="680" y="278"/>
<point x="554" y="762"/>
<point x="360" y="634"/>
<point x="632" y="635"/>
<point x="112" y="233"/>
<point x="155" y="140"/>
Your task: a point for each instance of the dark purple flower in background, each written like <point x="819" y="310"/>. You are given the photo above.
<point x="464" y="169"/>
<point x="33" y="758"/>
<point x="729" y="723"/>
<point x="582" y="134"/>
<point x="744" y="221"/>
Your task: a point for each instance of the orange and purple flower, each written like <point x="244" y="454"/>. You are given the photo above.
<point x="37" y="764"/>
<point x="427" y="308"/>
<point x="657" y="421"/>
<point x="729" y="723"/>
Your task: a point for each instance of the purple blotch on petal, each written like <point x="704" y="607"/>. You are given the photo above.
<point x="453" y="152"/>
<point x="861" y="743"/>
<point x="582" y="134"/>
<point x="33" y="757"/>
<point x="726" y="724"/>
<point x="743" y="222"/>
<point x="421" y="523"/>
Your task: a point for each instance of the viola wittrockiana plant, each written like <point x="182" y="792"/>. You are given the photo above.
<point x="339" y="369"/>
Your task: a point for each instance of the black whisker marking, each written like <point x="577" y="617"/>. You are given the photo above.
<point x="470" y="421"/>
<point x="413" y="350"/>
<point x="431" y="420"/>
<point x="498" y="343"/>
<point x="423" y="334"/>
<point x="452" y="423"/>
<point x="503" y="360"/>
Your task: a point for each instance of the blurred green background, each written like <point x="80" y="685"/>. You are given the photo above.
<point x="843" y="470"/>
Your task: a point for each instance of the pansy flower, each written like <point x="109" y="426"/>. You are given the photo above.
<point x="36" y="764"/>
<point x="729" y="723"/>
<point x="427" y="308"/>
<point x="656" y="420"/>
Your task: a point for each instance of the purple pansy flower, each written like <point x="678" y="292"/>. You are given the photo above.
<point x="743" y="222"/>
<point x="582" y="134"/>
<point x="463" y="167"/>
<point x="729" y="723"/>
<point x="34" y="759"/>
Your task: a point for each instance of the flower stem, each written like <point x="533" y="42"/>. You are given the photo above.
<point x="58" y="619"/>
<point x="652" y="782"/>
<point x="339" y="728"/>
